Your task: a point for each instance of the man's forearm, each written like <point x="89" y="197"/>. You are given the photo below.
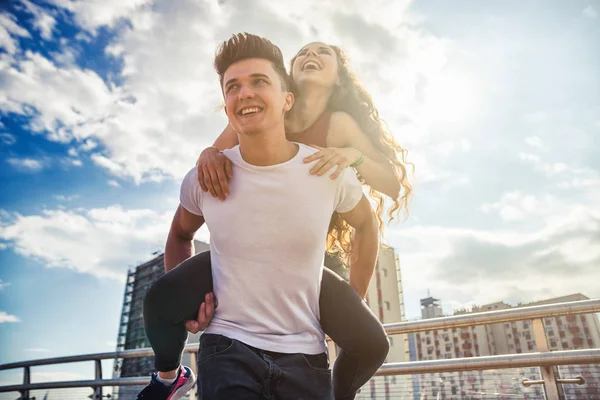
<point x="365" y="248"/>
<point x="177" y="250"/>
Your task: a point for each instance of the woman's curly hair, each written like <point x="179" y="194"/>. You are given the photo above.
<point x="352" y="98"/>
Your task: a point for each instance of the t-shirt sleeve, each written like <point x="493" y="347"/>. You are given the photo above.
<point x="190" y="195"/>
<point x="349" y="191"/>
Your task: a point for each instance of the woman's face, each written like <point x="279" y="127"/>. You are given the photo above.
<point x="316" y="63"/>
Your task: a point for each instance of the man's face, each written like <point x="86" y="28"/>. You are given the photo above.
<point x="255" y="101"/>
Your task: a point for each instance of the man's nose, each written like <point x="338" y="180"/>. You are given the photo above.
<point x="246" y="92"/>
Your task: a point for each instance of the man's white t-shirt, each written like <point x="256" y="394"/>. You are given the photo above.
<point x="267" y="243"/>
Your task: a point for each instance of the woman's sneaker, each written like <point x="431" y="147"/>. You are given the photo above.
<point x="157" y="390"/>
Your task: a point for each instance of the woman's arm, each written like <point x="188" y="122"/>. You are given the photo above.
<point x="227" y="139"/>
<point x="214" y="169"/>
<point x="347" y="143"/>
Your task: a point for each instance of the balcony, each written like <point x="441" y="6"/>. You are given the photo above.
<point x="576" y="371"/>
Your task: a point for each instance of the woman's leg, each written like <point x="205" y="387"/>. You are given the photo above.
<point x="347" y="320"/>
<point x="173" y="299"/>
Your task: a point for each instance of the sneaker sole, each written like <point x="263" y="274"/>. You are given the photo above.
<point x="182" y="391"/>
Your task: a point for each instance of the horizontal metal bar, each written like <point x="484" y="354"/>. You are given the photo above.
<point x="145" y="352"/>
<point x="456" y="321"/>
<point x="506" y="361"/>
<point x="407" y="368"/>
<point x="496" y="316"/>
<point x="527" y="382"/>
<point x="137" y="381"/>
<point x="565" y="381"/>
<point x="578" y="380"/>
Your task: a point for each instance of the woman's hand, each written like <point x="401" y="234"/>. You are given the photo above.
<point x="331" y="156"/>
<point x="214" y="170"/>
<point x="205" y="315"/>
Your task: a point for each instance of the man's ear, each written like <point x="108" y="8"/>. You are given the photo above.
<point x="289" y="101"/>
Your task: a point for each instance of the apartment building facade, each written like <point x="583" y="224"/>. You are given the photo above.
<point x="563" y="333"/>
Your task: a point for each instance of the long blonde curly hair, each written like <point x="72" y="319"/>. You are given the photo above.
<point x="352" y="98"/>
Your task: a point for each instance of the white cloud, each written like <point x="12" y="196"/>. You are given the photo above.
<point x="517" y="206"/>
<point x="8" y="139"/>
<point x="26" y="164"/>
<point x="154" y="124"/>
<point x="9" y="27"/>
<point x="102" y="242"/>
<point x="3" y="284"/>
<point x="61" y="197"/>
<point x="548" y="169"/>
<point x="92" y="14"/>
<point x="534" y="141"/>
<point x="43" y="21"/>
<point x="556" y="255"/>
<point x="590" y="12"/>
<point x="113" y="183"/>
<point x="7" y="318"/>
<point x="77" y="163"/>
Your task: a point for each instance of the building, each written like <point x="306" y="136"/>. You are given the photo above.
<point x="563" y="333"/>
<point x="570" y="332"/>
<point x="132" y="334"/>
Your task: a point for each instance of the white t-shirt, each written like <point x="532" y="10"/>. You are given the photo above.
<point x="267" y="243"/>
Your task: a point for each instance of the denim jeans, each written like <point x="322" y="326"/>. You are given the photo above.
<point x="231" y="370"/>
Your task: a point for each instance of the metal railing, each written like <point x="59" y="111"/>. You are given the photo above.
<point x="544" y="359"/>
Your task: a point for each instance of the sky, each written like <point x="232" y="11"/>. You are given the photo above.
<point x="106" y="104"/>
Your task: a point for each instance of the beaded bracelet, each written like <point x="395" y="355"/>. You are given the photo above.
<point x="358" y="162"/>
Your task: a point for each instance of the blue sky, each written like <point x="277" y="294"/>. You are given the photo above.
<point x="104" y="105"/>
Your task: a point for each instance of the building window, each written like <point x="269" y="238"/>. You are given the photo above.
<point x="384" y="272"/>
<point x="387" y="305"/>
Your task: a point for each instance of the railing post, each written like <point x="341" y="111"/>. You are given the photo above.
<point x="98" y="389"/>
<point x="549" y="372"/>
<point x="26" y="381"/>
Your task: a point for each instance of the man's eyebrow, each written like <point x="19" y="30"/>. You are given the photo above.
<point x="232" y="80"/>
<point x="259" y="75"/>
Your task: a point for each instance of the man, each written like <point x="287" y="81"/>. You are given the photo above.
<point x="266" y="241"/>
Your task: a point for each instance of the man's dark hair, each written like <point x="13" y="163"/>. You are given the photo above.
<point x="245" y="45"/>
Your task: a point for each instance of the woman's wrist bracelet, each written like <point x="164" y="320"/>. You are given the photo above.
<point x="358" y="162"/>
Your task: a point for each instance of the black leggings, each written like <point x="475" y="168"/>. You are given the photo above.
<point x="176" y="296"/>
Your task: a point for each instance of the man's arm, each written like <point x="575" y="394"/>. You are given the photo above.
<point x="365" y="245"/>
<point x="180" y="245"/>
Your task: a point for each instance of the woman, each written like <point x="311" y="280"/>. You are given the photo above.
<point x="333" y="112"/>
